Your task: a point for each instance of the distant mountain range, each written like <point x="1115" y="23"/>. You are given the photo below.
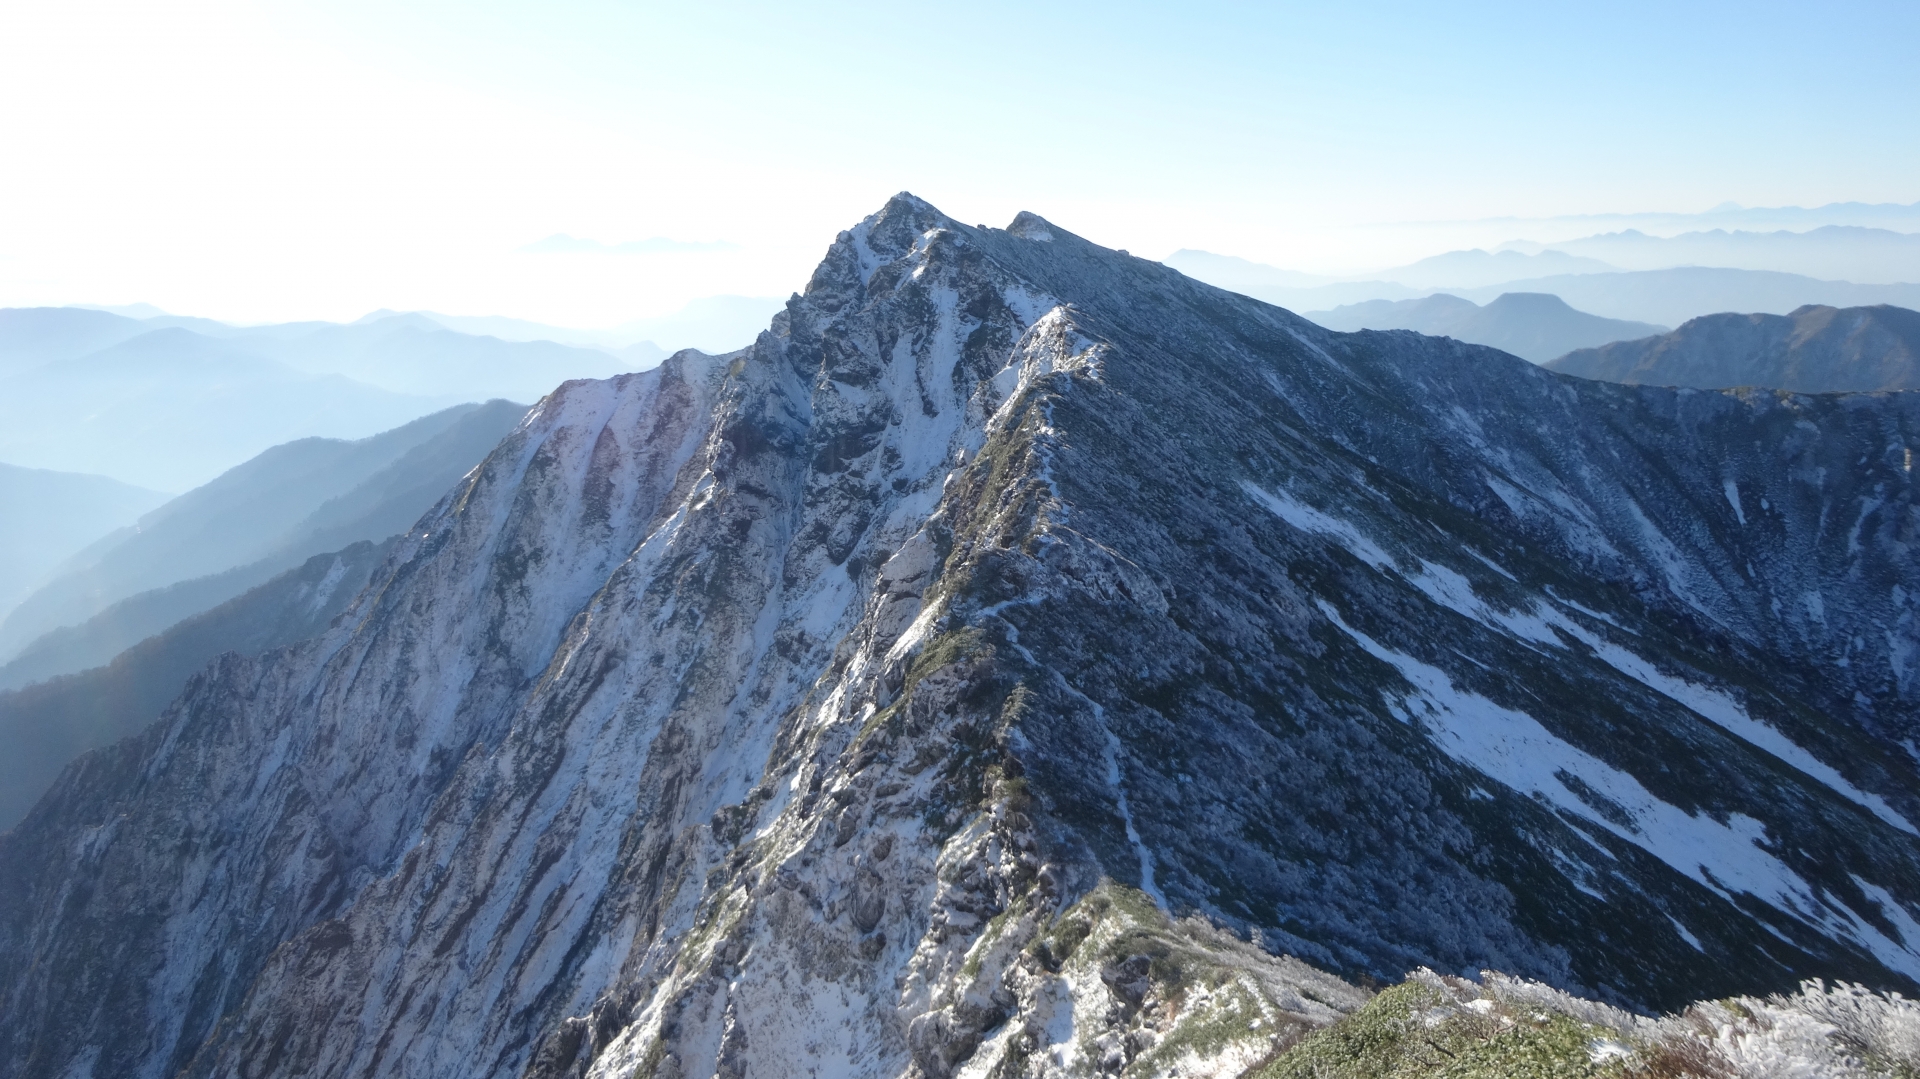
<point x="254" y="521"/>
<point x="46" y="517"/>
<point x="1732" y="215"/>
<point x="36" y="336"/>
<point x="1452" y="270"/>
<point x="170" y="402"/>
<point x="1813" y="350"/>
<point x="1532" y="325"/>
<point x="1841" y="252"/>
<point x="1665" y="297"/>
<point x="712" y="324"/>
<point x="1482" y="269"/>
<point x="1848" y="253"/>
<point x="414" y="354"/>
<point x="1671" y="297"/>
<point x="170" y="409"/>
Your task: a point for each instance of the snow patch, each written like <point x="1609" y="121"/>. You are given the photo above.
<point x="1512" y="748"/>
<point x="1541" y="624"/>
<point x="1723" y="712"/>
<point x="1489" y="563"/>
<point x="1307" y="519"/>
<point x="324" y="589"/>
<point x="1110" y="754"/>
<point x="1660" y="549"/>
<point x="1686" y="935"/>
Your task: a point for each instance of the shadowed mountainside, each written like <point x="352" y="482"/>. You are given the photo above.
<point x="44" y="727"/>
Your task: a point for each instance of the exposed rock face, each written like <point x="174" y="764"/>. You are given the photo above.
<point x="864" y="703"/>
<point x="1814" y="350"/>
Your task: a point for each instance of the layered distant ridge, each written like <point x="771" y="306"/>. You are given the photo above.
<point x="1813" y="350"/>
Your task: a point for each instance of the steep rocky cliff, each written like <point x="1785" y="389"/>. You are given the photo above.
<point x="1023" y="660"/>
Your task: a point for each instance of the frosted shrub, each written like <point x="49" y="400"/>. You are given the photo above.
<point x="1521" y="993"/>
<point x="1883" y="1029"/>
<point x="1845" y="1031"/>
<point x="1765" y="1041"/>
<point x="1504" y="1027"/>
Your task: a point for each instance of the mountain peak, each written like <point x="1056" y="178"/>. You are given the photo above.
<point x="1529" y="301"/>
<point x="1038" y="656"/>
<point x="1031" y="226"/>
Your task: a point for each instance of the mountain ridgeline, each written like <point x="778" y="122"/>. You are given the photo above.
<point x="264" y="516"/>
<point x="1534" y="326"/>
<point x="1813" y="350"/>
<point x="45" y="517"/>
<point x="1022" y="660"/>
<point x="45" y="726"/>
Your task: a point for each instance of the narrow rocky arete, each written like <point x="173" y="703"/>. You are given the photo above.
<point x="1022" y="660"/>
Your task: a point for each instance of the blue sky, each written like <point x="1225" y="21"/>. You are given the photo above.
<point x="260" y="161"/>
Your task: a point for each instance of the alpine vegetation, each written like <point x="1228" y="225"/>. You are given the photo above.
<point x="1024" y="660"/>
<point x="1505" y="1028"/>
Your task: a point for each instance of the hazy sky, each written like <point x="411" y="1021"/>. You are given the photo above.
<point x="318" y="160"/>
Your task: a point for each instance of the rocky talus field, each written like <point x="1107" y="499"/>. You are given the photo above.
<point x="1025" y="660"/>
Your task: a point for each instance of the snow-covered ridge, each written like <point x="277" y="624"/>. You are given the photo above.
<point x="992" y="672"/>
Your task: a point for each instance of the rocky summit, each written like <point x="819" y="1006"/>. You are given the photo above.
<point x="1025" y="660"/>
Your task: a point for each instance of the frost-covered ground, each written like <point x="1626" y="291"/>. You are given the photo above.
<point x="1507" y="1028"/>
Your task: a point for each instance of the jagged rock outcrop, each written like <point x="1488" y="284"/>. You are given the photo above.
<point x="1023" y="660"/>
<point x="1815" y="349"/>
